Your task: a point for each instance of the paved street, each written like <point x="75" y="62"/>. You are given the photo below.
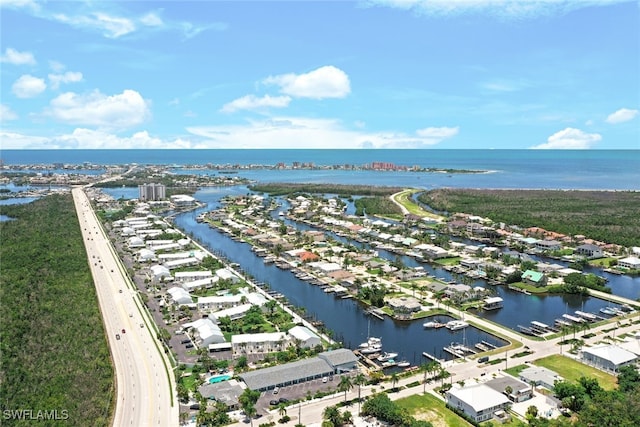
<point x="145" y="384"/>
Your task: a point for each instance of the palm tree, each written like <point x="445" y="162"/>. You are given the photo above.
<point x="282" y="409"/>
<point x="394" y="380"/>
<point x="345" y="385"/>
<point x="347" y="418"/>
<point x="359" y="380"/>
<point x="332" y="414"/>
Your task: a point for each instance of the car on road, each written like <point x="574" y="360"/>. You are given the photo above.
<point x="117" y="336"/>
<point x="120" y="290"/>
<point x="123" y="331"/>
<point x="283" y="400"/>
<point x="274" y="402"/>
<point x="188" y="345"/>
<point x="141" y="325"/>
<point x="324" y="379"/>
<point x="276" y="390"/>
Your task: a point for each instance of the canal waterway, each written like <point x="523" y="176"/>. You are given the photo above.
<point x="347" y="318"/>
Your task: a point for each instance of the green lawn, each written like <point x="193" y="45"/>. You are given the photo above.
<point x="515" y="371"/>
<point x="572" y="370"/>
<point x="429" y="408"/>
<point x="404" y="198"/>
<point x="448" y="261"/>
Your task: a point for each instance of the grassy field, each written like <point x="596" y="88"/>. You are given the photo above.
<point x="429" y="408"/>
<point x="572" y="370"/>
<point x="404" y="198"/>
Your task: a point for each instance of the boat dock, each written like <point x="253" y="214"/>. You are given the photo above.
<point x="375" y="312"/>
<point x="430" y="357"/>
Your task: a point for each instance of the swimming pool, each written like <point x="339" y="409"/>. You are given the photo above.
<point x="219" y="378"/>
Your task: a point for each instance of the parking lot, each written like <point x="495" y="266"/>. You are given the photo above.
<point x="297" y="391"/>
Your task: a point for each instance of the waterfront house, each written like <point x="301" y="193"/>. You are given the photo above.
<point x="534" y="278"/>
<point x="492" y="303"/>
<point x="193" y="285"/>
<point x="548" y="245"/>
<point x="404" y="305"/>
<point x="304" y="336"/>
<point x="226" y="274"/>
<point x="607" y="357"/>
<point x="478" y="401"/>
<point x="589" y="251"/>
<point x="632" y="262"/>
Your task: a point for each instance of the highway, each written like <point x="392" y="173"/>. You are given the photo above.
<point x="145" y="381"/>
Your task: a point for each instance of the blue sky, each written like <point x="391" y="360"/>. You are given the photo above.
<point x="452" y="74"/>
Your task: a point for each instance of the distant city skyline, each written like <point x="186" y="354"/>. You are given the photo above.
<point x="438" y="74"/>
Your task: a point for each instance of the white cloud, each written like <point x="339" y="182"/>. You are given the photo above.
<point x="621" y="116"/>
<point x="110" y="26"/>
<point x="17" y="4"/>
<point x="68" y="77"/>
<point x="505" y="85"/>
<point x="571" y="139"/>
<point x="82" y="138"/>
<point x="502" y="9"/>
<point x="15" y="57"/>
<point x="6" y="113"/>
<point x="252" y="102"/>
<point x="28" y="86"/>
<point x="324" y="82"/>
<point x="96" y="109"/>
<point x="300" y="132"/>
<point x="56" y="66"/>
<point x="151" y="19"/>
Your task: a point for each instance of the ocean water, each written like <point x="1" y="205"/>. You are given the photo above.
<point x="549" y="169"/>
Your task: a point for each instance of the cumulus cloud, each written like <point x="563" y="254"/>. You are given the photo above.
<point x="12" y="56"/>
<point x="621" y="116"/>
<point x="82" y="138"/>
<point x="324" y="82"/>
<point x="502" y="9"/>
<point x="28" y="86"/>
<point x="300" y="132"/>
<point x="68" y="77"/>
<point x="96" y="109"/>
<point x="6" y="113"/>
<point x="570" y="138"/>
<point x="252" y="102"/>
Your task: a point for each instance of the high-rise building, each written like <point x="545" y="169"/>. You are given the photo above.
<point x="150" y="192"/>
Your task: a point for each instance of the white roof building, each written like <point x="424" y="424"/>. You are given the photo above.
<point x="218" y="302"/>
<point x="206" y="332"/>
<point x="478" y="401"/>
<point x="608" y="357"/>
<point x="159" y="272"/>
<point x="187" y="276"/>
<point x="226" y="274"/>
<point x="146" y="255"/>
<point x="181" y="262"/>
<point x="199" y="284"/>
<point x="305" y="336"/>
<point x="632" y="262"/>
<point x="135" y="242"/>
<point x="233" y="313"/>
<point x="266" y="342"/>
<point x="179" y="296"/>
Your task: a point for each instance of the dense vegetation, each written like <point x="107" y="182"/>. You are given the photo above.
<point x="54" y="350"/>
<point x="282" y="188"/>
<point x="608" y="216"/>
<point x="381" y="206"/>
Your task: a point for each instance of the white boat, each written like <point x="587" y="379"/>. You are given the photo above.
<point x="456" y="325"/>
<point x="403" y="364"/>
<point x="372" y="345"/>
<point x="429" y="324"/>
<point x="387" y="356"/>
